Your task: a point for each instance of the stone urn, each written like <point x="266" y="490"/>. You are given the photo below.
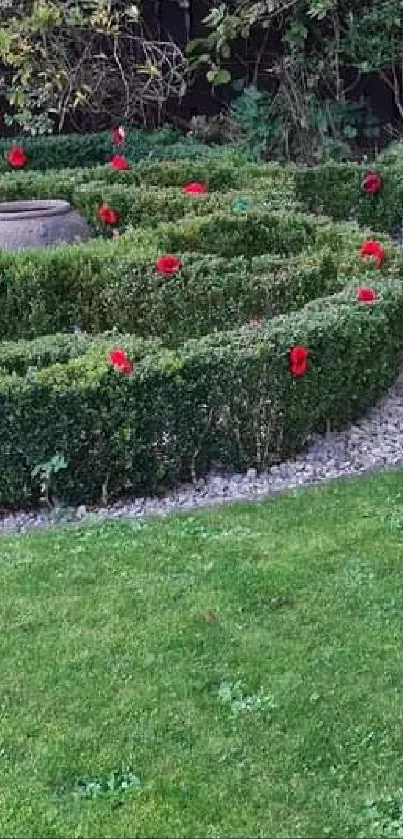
<point x="40" y="224"/>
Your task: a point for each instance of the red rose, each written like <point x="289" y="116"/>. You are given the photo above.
<point x="119" y="162"/>
<point x="366" y="295"/>
<point x="299" y="361"/>
<point x="118" y="136"/>
<point x="121" y="362"/>
<point x="372" y="183"/>
<point x="376" y="250"/>
<point x="195" y="189"/>
<point x="167" y="266"/>
<point x="107" y="215"/>
<point x="17" y="157"/>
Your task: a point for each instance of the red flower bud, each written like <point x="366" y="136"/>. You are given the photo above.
<point x="367" y="295"/>
<point x="120" y="361"/>
<point x="299" y="361"/>
<point x="167" y="266"/>
<point x="107" y="215"/>
<point x="118" y="136"/>
<point x="17" y="157"/>
<point x="372" y="183"/>
<point x="195" y="189"/>
<point x="119" y="162"/>
<point x="375" y="250"/>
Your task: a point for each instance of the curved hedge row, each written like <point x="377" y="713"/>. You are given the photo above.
<point x="217" y="175"/>
<point x="226" y="400"/>
<point x="80" y="150"/>
<point x="125" y="191"/>
<point x="197" y="397"/>
<point x="254" y="234"/>
<point x="141" y="207"/>
<point x="24" y="357"/>
<point x="336" y="189"/>
<point x="101" y="284"/>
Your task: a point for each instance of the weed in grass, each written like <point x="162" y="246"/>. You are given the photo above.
<point x="394" y="520"/>
<point x="210" y="617"/>
<point x="384" y="817"/>
<point x="359" y="573"/>
<point x="231" y="693"/>
<point x="118" y="781"/>
<point x="274" y="604"/>
<point x="197" y="528"/>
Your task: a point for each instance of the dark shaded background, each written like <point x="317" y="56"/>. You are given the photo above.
<point x="165" y="20"/>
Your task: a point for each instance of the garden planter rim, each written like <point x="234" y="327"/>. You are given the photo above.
<point x="34" y="208"/>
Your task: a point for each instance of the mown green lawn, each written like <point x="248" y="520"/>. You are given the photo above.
<point x="242" y="670"/>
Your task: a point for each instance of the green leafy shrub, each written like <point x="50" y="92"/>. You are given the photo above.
<point x="255" y="114"/>
<point x="336" y="190"/>
<point x="141" y="207"/>
<point x="253" y="234"/>
<point x="226" y="399"/>
<point x="101" y="284"/>
<point x="217" y="174"/>
<point x="81" y="150"/>
<point x="27" y="356"/>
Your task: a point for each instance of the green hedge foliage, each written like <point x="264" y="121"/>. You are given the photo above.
<point x="102" y="284"/>
<point x="254" y="234"/>
<point x="82" y="150"/>
<point x="336" y="190"/>
<point x="206" y="390"/>
<point x="141" y="207"/>
<point x="227" y="400"/>
<point x="218" y="175"/>
<point x="26" y="356"/>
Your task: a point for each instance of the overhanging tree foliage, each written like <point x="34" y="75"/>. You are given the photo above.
<point x="64" y="55"/>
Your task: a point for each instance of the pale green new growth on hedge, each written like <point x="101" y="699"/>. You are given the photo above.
<point x="207" y="388"/>
<point x="103" y="284"/>
<point x="336" y="190"/>
<point x="74" y="150"/>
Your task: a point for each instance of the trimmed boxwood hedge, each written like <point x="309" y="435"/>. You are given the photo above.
<point x="80" y="150"/>
<point x="101" y="284"/>
<point x="227" y="400"/>
<point x="138" y="206"/>
<point x="254" y="234"/>
<point x="336" y="190"/>
<point x="125" y="192"/>
<point x="217" y="398"/>
<point x="218" y="175"/>
<point x="42" y="296"/>
<point x="24" y="356"/>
